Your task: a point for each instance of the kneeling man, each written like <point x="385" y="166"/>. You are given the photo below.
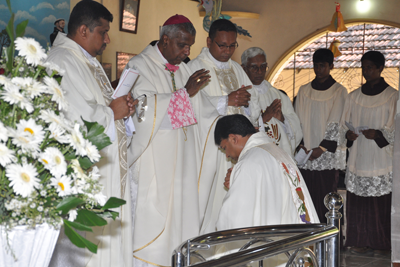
<point x="266" y="187"/>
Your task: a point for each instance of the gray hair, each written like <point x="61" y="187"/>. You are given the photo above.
<point x="172" y="30"/>
<point x="250" y="53"/>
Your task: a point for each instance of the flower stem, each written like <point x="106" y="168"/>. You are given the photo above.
<point x="16" y="70"/>
<point x="45" y="140"/>
<point x="38" y="72"/>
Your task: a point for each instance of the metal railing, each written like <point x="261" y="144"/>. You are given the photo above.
<point x="293" y="240"/>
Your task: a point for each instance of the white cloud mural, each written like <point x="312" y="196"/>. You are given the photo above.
<point x="40" y="6"/>
<point x="29" y="31"/>
<point x="3" y="7"/>
<point x="49" y="19"/>
<point x="63" y="5"/>
<point x="24" y="15"/>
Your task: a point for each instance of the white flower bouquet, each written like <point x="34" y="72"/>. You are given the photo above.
<point x="46" y="172"/>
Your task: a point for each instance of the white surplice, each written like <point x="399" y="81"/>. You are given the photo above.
<point x="288" y="134"/>
<point x="225" y="78"/>
<point x="369" y="167"/>
<point x="167" y="162"/>
<point x="88" y="93"/>
<point x="262" y="191"/>
<point x="319" y="113"/>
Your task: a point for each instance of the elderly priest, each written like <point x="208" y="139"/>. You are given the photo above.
<point x="168" y="144"/>
<point x="280" y="120"/>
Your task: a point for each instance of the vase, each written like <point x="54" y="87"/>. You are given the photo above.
<point x="27" y="246"/>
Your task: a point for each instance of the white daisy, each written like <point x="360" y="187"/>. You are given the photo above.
<point x="28" y="135"/>
<point x="79" y="172"/>
<point x="12" y="95"/>
<point x="72" y="215"/>
<point x="22" y="82"/>
<point x="4" y="80"/>
<point x="35" y="88"/>
<point x="31" y="49"/>
<point x="6" y="155"/>
<point x="23" y="178"/>
<point x="54" y="161"/>
<point x="3" y="132"/>
<point x="92" y="152"/>
<point x="62" y="184"/>
<point x="95" y="173"/>
<point x="51" y="67"/>
<point x="57" y="92"/>
<point x="49" y="116"/>
<point x="58" y="133"/>
<point x="77" y="141"/>
<point x="100" y="198"/>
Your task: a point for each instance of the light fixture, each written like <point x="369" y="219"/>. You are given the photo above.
<point x="363" y="6"/>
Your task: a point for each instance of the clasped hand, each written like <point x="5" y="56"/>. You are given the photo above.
<point x="228" y="178"/>
<point x="123" y="106"/>
<point x="273" y="111"/>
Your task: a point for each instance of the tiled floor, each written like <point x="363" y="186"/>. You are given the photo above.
<point x="350" y="260"/>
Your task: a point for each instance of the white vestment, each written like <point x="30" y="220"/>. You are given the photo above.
<point x="225" y="78"/>
<point x="266" y="188"/>
<point x="286" y="135"/>
<point x="369" y="167"/>
<point x="168" y="162"/>
<point x="88" y="92"/>
<point x="319" y="113"/>
<point x="261" y="188"/>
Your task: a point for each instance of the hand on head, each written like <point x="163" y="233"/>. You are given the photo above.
<point x="240" y="97"/>
<point x="196" y="81"/>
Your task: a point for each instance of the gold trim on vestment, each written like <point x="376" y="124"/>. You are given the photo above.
<point x="152" y="131"/>
<point x="149" y="242"/>
<point x="150" y="262"/>
<point x="204" y="151"/>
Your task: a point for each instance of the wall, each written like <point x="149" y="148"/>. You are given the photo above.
<point x="152" y="15"/>
<point x="282" y="23"/>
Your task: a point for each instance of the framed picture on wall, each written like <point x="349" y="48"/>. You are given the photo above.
<point x="122" y="60"/>
<point x="129" y="15"/>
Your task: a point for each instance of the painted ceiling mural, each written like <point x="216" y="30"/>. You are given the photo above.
<point x="41" y="15"/>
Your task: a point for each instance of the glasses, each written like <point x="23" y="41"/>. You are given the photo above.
<point x="224" y="47"/>
<point x="255" y="68"/>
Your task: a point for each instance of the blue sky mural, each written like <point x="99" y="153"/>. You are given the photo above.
<point x="41" y="15"/>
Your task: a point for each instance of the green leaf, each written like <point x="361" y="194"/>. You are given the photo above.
<point x="20" y="30"/>
<point x="79" y="226"/>
<point x="88" y="124"/>
<point x="69" y="203"/>
<point x="109" y="214"/>
<point x="96" y="135"/>
<point x="9" y="5"/>
<point x="70" y="156"/>
<point x="10" y="28"/>
<point x="10" y="50"/>
<point x="113" y="202"/>
<point x="85" y="163"/>
<point x="76" y="238"/>
<point x="89" y="218"/>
